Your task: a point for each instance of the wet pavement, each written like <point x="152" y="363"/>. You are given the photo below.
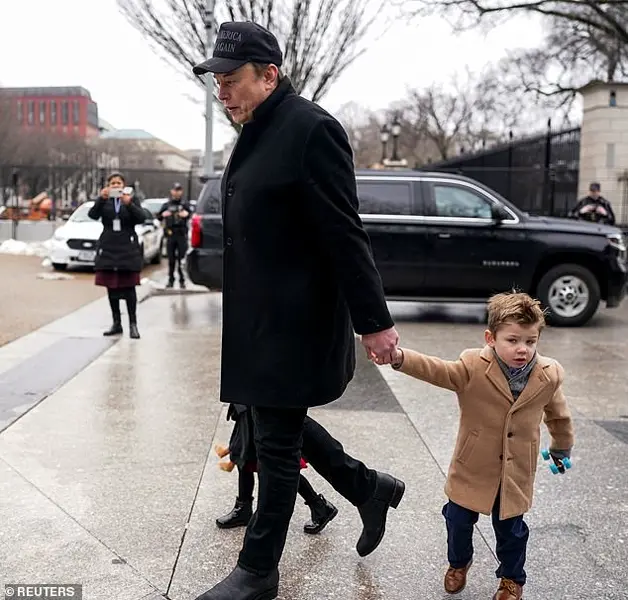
<point x="109" y="479"/>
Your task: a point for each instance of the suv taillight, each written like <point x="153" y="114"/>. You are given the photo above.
<point x="196" y="231"/>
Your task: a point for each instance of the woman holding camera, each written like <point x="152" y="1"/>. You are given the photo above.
<point x="119" y="259"/>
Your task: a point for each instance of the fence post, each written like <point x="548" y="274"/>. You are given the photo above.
<point x="510" y="136"/>
<point x="548" y="161"/>
<point x="15" y="182"/>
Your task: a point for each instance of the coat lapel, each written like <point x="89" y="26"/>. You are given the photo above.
<point x="495" y="375"/>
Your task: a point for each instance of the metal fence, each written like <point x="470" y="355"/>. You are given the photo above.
<point x="68" y="186"/>
<point x="539" y="174"/>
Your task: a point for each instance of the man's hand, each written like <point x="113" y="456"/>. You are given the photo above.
<point x="381" y="346"/>
<point x="166" y="213"/>
<point x="183" y="214"/>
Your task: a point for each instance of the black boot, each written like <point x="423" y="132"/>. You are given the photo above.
<point x="322" y="513"/>
<point x="242" y="585"/>
<point x="133" y="331"/>
<point x="115" y="329"/>
<point x="170" y="283"/>
<point x="238" y="517"/>
<point x="388" y="492"/>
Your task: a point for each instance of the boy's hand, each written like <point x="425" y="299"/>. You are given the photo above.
<point x="557" y="457"/>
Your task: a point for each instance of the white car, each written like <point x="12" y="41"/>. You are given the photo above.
<point x="74" y="244"/>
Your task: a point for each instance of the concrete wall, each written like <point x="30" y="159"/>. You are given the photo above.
<point x="604" y="143"/>
<point x="27" y="231"/>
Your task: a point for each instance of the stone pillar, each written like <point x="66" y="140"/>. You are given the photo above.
<point x="604" y="143"/>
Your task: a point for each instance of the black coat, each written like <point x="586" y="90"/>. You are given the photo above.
<point x="298" y="272"/>
<point x="118" y="250"/>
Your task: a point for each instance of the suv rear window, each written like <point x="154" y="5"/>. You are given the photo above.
<point x="209" y="201"/>
<point x="385" y="197"/>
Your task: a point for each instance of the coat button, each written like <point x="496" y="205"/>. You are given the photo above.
<point x="229" y="190"/>
<point x="229" y="241"/>
<point x="510" y="434"/>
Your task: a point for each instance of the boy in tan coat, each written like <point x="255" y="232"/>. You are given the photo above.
<point x="504" y="391"/>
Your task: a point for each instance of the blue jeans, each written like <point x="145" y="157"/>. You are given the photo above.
<point x="511" y="534"/>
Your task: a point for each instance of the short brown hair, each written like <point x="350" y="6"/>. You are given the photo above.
<point x="514" y="307"/>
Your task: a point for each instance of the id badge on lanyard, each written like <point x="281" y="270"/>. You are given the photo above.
<point x="117" y="226"/>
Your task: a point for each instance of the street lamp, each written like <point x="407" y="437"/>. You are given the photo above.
<point x="396" y="130"/>
<point x="384" y="136"/>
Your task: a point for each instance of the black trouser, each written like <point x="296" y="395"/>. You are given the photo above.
<point x="281" y="435"/>
<point x="128" y="294"/>
<point x="511" y="536"/>
<point x="176" y="246"/>
<point x="246" y="485"/>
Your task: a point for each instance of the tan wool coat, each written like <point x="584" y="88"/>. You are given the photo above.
<point x="498" y="437"/>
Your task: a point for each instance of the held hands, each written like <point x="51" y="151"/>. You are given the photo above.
<point x="381" y="347"/>
<point x="126" y="199"/>
<point x="104" y="193"/>
<point x="183" y="214"/>
<point x="166" y="213"/>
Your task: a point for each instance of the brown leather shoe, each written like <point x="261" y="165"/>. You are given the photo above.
<point x="508" y="590"/>
<point x="456" y="579"/>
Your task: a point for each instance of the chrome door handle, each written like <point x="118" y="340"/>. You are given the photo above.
<point x="444" y="235"/>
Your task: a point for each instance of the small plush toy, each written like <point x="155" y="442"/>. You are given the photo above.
<point x="225" y="465"/>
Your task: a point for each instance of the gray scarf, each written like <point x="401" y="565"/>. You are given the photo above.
<point x="517" y="378"/>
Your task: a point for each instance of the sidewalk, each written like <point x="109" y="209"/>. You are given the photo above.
<point x="111" y="482"/>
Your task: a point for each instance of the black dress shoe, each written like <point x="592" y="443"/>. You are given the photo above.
<point x="238" y="517"/>
<point x="388" y="492"/>
<point x="322" y="513"/>
<point x="242" y="585"/>
<point x="115" y="329"/>
<point x="133" y="331"/>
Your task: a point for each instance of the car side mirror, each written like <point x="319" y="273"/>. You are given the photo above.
<point x="496" y="214"/>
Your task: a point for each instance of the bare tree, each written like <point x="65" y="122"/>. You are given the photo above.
<point x="475" y="111"/>
<point x="320" y="38"/>
<point x="585" y="39"/>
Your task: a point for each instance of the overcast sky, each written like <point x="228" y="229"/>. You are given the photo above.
<point x="89" y="43"/>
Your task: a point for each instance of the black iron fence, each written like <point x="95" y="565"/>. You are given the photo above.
<point x="68" y="186"/>
<point x="539" y="174"/>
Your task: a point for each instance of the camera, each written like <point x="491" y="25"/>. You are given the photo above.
<point x="117" y="192"/>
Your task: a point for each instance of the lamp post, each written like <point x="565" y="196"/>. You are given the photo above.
<point x="208" y="162"/>
<point x="384" y="136"/>
<point x="396" y="130"/>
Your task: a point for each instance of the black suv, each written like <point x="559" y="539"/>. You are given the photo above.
<point x="442" y="237"/>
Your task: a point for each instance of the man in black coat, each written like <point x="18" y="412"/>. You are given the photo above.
<point x="175" y="214"/>
<point x="298" y="280"/>
<point x="594" y="207"/>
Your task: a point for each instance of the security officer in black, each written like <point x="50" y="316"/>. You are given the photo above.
<point x="174" y="215"/>
<point x="594" y="207"/>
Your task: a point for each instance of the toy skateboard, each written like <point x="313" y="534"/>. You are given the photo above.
<point x="555" y="468"/>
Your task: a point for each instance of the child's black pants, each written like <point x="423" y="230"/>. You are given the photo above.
<point x="511" y="534"/>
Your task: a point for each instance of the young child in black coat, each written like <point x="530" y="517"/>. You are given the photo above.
<point x="242" y="454"/>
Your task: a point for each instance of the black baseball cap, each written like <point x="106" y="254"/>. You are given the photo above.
<point x="177" y="186"/>
<point x="238" y="43"/>
<point x="595" y="187"/>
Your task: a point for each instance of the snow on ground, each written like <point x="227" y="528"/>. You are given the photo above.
<point x="17" y="248"/>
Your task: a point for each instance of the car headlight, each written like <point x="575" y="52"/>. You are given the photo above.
<point x="618" y="242"/>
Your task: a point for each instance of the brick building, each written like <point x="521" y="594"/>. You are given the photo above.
<point x="67" y="110"/>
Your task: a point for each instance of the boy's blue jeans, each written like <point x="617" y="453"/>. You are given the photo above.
<point x="511" y="534"/>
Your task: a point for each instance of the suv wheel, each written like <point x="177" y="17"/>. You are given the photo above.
<point x="571" y="293"/>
